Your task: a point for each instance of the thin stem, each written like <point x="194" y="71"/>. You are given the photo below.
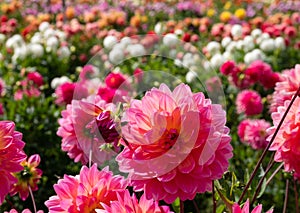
<point x="296" y="195"/>
<point x="32" y="198"/>
<point x="214" y="198"/>
<point x="257" y="190"/>
<point x="274" y="173"/>
<point x="196" y="206"/>
<point x="286" y="195"/>
<point x="10" y="203"/>
<point x="181" y="206"/>
<point x="91" y="153"/>
<point x="268" y="146"/>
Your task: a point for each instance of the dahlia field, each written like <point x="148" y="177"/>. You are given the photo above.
<point x="149" y="106"/>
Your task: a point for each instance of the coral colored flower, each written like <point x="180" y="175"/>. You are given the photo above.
<point x="24" y="211"/>
<point x="253" y="132"/>
<point x="67" y="91"/>
<point x="130" y="204"/>
<point x="286" y="88"/>
<point x="249" y="102"/>
<point x="246" y="208"/>
<point x="175" y="143"/>
<point x="29" y="177"/>
<point x="89" y="190"/>
<point x="286" y="143"/>
<point x="11" y="155"/>
<point x="78" y="130"/>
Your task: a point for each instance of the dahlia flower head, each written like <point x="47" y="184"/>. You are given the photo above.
<point x="249" y="102"/>
<point x="246" y="208"/>
<point x="286" y="143"/>
<point x="86" y="192"/>
<point x="11" y="155"/>
<point x="130" y="204"/>
<point x="29" y="177"/>
<point x="253" y="132"/>
<point x="175" y="143"/>
<point x="286" y="87"/>
<point x="86" y="126"/>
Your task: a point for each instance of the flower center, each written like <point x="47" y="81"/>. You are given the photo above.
<point x="168" y="139"/>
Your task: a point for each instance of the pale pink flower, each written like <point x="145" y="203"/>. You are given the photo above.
<point x="246" y="208"/>
<point x="29" y="177"/>
<point x="89" y="190"/>
<point x="130" y="204"/>
<point x="286" y="143"/>
<point x="176" y="143"/>
<point x="11" y="155"/>
<point x="249" y="102"/>
<point x="24" y="211"/>
<point x="78" y="132"/>
<point x="286" y="87"/>
<point x="253" y="132"/>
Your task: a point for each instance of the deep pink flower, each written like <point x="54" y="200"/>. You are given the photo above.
<point x="249" y="102"/>
<point x="114" y="80"/>
<point x="67" y="91"/>
<point x="286" y="143"/>
<point x="78" y="130"/>
<point x="89" y="190"/>
<point x="11" y="155"/>
<point x="259" y="71"/>
<point x="26" y="89"/>
<point x="1" y="109"/>
<point x="36" y="78"/>
<point x="286" y="88"/>
<point x="229" y="67"/>
<point x="130" y="204"/>
<point x="112" y="95"/>
<point x="30" y="176"/>
<point x="175" y="143"/>
<point x="246" y="208"/>
<point x="253" y="132"/>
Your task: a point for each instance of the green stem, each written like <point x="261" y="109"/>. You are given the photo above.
<point x="274" y="173"/>
<point x="214" y="198"/>
<point x="286" y="195"/>
<point x="267" y="148"/>
<point x="296" y="195"/>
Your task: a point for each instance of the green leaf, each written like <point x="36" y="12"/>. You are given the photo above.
<point x="176" y="205"/>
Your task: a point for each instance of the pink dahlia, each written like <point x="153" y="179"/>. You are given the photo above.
<point x="253" y="132"/>
<point x="114" y="80"/>
<point x="249" y="102"/>
<point x="67" y="91"/>
<point x="11" y="155"/>
<point x="130" y="204"/>
<point x="176" y="143"/>
<point x="286" y="88"/>
<point x="86" y="126"/>
<point x="229" y="68"/>
<point x="246" y="208"/>
<point x="36" y="78"/>
<point x="29" y="177"/>
<point x="287" y="140"/>
<point x="90" y="190"/>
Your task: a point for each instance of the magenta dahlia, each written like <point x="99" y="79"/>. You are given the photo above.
<point x="176" y="143"/>
<point x="11" y="155"/>
<point x="249" y="102"/>
<point x="246" y="208"/>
